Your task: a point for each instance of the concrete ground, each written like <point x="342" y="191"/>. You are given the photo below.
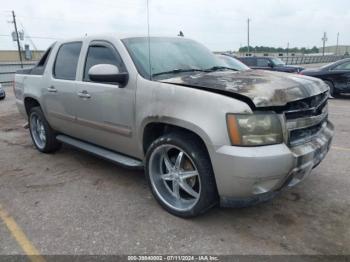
<point x="73" y="203"/>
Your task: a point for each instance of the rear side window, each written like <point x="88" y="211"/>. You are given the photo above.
<point x="40" y="66"/>
<point x="67" y="61"/>
<point x="43" y="60"/>
<point x="101" y="54"/>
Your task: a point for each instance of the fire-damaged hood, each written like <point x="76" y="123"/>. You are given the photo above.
<point x="263" y="88"/>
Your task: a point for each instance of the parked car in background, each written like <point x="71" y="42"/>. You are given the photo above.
<point x="269" y="63"/>
<point x="203" y="132"/>
<point x="2" y="93"/>
<point x="232" y="62"/>
<point x="336" y="75"/>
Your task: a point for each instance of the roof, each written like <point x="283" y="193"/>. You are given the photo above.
<point x="115" y="36"/>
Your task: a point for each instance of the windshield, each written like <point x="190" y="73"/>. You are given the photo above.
<point x="233" y="63"/>
<point x="277" y="62"/>
<point x="170" y="55"/>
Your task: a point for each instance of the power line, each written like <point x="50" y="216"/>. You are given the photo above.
<point x="44" y="37"/>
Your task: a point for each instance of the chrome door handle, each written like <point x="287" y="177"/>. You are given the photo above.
<point x="84" y="94"/>
<point x="52" y="89"/>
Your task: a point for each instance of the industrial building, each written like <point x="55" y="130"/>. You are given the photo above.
<point x="336" y="50"/>
<point x="13" y="55"/>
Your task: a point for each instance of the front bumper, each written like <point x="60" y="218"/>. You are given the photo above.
<point x="253" y="172"/>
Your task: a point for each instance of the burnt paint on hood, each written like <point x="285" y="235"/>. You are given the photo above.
<point x="263" y="88"/>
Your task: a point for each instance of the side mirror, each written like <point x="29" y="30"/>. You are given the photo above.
<point x="106" y="73"/>
<point x="269" y="64"/>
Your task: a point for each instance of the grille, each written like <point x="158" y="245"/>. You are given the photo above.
<point x="306" y="118"/>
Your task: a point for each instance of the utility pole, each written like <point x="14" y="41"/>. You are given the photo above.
<point x="17" y="38"/>
<point x="336" y="50"/>
<point x="248" y="21"/>
<point x="324" y="39"/>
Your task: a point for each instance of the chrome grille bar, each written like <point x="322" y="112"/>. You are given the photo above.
<point x="304" y="123"/>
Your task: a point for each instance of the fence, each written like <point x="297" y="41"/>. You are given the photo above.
<point x="8" y="69"/>
<point x="311" y="59"/>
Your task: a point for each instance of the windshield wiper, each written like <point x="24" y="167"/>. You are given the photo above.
<point x="176" y="71"/>
<point x="216" y="68"/>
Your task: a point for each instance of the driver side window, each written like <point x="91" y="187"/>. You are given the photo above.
<point x="101" y="54"/>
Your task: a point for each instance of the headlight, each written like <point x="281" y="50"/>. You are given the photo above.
<point x="254" y="129"/>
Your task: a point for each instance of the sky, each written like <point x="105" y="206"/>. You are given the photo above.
<point x="220" y="25"/>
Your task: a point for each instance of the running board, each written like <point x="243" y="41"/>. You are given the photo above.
<point x="101" y="152"/>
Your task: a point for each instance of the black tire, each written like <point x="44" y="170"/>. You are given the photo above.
<point x="51" y="144"/>
<point x="332" y="90"/>
<point x="194" y="148"/>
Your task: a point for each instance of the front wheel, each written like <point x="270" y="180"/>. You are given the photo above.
<point x="180" y="175"/>
<point x="43" y="136"/>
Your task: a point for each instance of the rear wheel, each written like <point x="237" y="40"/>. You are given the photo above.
<point x="180" y="175"/>
<point x="43" y="136"/>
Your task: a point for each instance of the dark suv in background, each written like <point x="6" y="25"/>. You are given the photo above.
<point x="269" y="63"/>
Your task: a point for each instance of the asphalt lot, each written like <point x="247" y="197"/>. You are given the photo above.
<point x="73" y="203"/>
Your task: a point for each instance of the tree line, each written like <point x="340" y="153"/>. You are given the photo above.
<point x="267" y="49"/>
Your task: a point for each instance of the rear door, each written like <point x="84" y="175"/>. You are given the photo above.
<point x="105" y="111"/>
<point x="60" y="90"/>
<point x="340" y="76"/>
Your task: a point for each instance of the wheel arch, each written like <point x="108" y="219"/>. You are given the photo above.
<point x="154" y="129"/>
<point x="30" y="102"/>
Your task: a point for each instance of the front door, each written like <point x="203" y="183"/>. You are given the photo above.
<point x="105" y="111"/>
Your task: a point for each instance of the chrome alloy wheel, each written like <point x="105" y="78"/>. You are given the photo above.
<point x="38" y="130"/>
<point x="174" y="177"/>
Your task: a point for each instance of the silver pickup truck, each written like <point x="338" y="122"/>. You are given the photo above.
<point x="204" y="132"/>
